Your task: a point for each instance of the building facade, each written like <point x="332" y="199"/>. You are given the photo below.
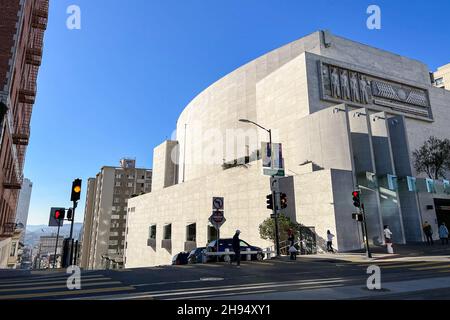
<point x="23" y="23"/>
<point x="105" y="216"/>
<point x="45" y="252"/>
<point x="348" y="117"/>
<point x="23" y="206"/>
<point x="442" y="77"/>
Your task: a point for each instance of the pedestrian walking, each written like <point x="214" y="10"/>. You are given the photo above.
<point x="330" y="237"/>
<point x="291" y="238"/>
<point x="237" y="248"/>
<point x="428" y="230"/>
<point x="388" y="239"/>
<point x="293" y="252"/>
<point x="443" y="233"/>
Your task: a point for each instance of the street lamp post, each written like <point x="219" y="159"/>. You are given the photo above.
<point x="274" y="209"/>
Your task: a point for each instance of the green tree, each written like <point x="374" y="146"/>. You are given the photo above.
<point x="433" y="158"/>
<point x="267" y="228"/>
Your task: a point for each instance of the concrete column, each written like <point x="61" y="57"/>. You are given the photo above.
<point x="409" y="202"/>
<point x="364" y="170"/>
<point x="390" y="203"/>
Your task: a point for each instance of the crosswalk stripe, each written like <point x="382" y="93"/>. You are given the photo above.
<point x="254" y="292"/>
<point x="64" y="293"/>
<point x="58" y="287"/>
<point x="432" y="268"/>
<point x="224" y="295"/>
<point x="410" y="265"/>
<point x="193" y="291"/>
<point x="36" y="279"/>
<point x="21" y="284"/>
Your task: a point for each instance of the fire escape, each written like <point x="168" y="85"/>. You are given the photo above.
<point x="27" y="92"/>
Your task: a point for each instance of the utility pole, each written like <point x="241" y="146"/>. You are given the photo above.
<point x="274" y="209"/>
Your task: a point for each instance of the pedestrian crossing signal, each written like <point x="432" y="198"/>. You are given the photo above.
<point x="269" y="200"/>
<point x="283" y="201"/>
<point x="70" y="214"/>
<point x="59" y="214"/>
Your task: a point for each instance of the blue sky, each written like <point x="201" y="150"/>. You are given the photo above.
<point x="115" y="88"/>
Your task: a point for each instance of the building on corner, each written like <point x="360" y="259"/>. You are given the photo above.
<point x="348" y="117"/>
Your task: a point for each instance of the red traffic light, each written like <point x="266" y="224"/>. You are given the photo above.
<point x="57" y="214"/>
<point x="356" y="199"/>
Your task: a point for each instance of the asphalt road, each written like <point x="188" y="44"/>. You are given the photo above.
<point x="270" y="279"/>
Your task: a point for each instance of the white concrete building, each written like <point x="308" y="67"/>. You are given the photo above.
<point x="348" y="116"/>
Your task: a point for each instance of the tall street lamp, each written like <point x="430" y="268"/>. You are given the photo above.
<point x="274" y="209"/>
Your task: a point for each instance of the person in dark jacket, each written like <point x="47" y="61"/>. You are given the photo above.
<point x="428" y="230"/>
<point x="237" y="247"/>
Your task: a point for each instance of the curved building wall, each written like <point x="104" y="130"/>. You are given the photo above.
<point x="205" y="121"/>
<point x="219" y="107"/>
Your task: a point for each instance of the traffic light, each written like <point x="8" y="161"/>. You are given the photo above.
<point x="358" y="217"/>
<point x="283" y="201"/>
<point x="59" y="214"/>
<point x="356" y="199"/>
<point x="76" y="190"/>
<point x="269" y="202"/>
<point x="69" y="214"/>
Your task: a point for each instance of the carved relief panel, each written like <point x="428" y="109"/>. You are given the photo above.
<point x="342" y="85"/>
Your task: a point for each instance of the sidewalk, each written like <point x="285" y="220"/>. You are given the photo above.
<point x="414" y="252"/>
<point x="389" y="289"/>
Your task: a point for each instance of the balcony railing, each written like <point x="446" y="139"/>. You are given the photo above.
<point x="34" y="56"/>
<point x="8" y="229"/>
<point x="13" y="179"/>
<point x="27" y="95"/>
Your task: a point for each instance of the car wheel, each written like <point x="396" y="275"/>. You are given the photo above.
<point x="260" y="256"/>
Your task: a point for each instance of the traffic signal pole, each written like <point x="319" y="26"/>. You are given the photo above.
<point x="369" y="254"/>
<point x="274" y="209"/>
<point x="277" y="233"/>
<point x="71" y="233"/>
<point x="56" y="245"/>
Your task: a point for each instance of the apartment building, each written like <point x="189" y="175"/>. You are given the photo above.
<point x="442" y="77"/>
<point x="104" y="228"/>
<point x="22" y="27"/>
<point x="45" y="253"/>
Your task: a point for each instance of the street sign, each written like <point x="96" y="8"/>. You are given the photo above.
<point x="218" y="203"/>
<point x="217" y="219"/>
<point x="274" y="172"/>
